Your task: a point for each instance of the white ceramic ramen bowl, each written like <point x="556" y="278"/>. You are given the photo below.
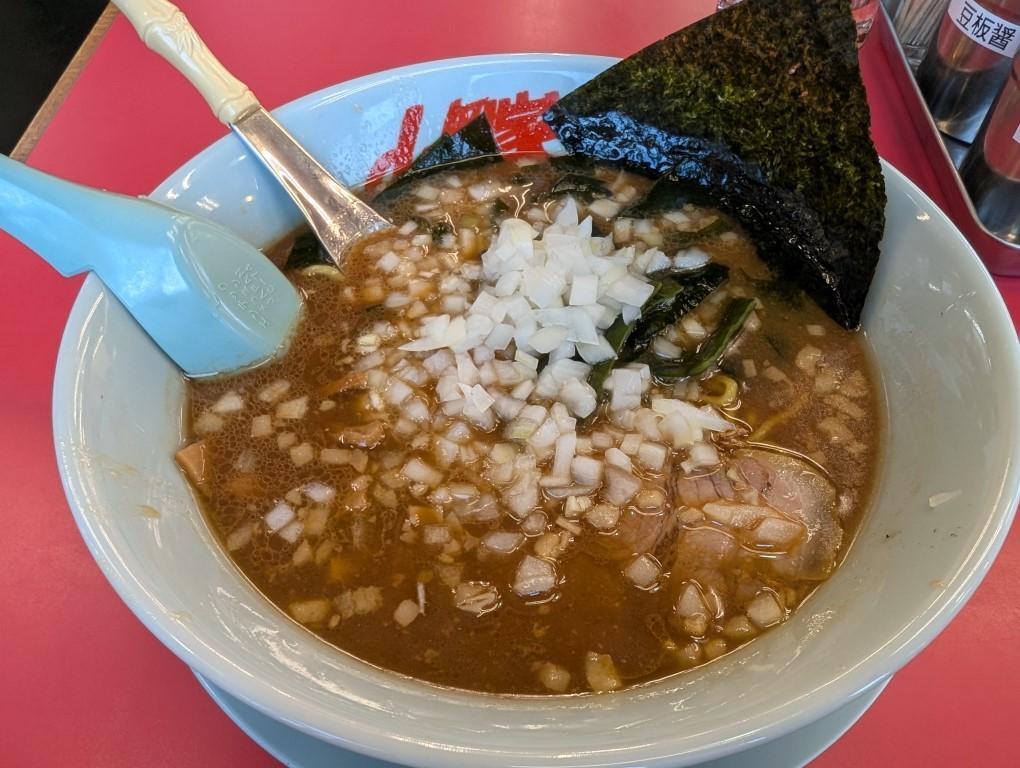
<point x="949" y="360"/>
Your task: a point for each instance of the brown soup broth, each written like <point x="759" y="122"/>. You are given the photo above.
<point x="347" y="556"/>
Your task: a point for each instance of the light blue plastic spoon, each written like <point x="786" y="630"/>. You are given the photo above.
<point x="209" y="299"/>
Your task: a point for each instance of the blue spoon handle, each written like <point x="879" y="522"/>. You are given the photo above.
<point x="79" y="229"/>
<point x="207" y="297"/>
<point x="59" y="220"/>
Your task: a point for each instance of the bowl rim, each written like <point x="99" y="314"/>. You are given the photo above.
<point x="913" y="636"/>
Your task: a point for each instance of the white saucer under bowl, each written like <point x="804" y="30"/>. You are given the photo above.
<point x="296" y="749"/>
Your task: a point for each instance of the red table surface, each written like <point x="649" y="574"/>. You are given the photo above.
<point x="82" y="683"/>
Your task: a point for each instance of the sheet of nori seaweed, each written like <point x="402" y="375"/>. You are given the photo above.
<point x="306" y="252"/>
<point x="787" y="233"/>
<point x="768" y="93"/>
<point x="471" y="146"/>
<point x="675" y="295"/>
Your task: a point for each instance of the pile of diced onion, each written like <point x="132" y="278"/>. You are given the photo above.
<point x="454" y="375"/>
<point x="554" y="294"/>
<point x="535" y="294"/>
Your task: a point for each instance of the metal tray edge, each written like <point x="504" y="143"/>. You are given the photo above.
<point x="1000" y="256"/>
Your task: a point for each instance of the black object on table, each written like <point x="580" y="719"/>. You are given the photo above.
<point x="38" y="38"/>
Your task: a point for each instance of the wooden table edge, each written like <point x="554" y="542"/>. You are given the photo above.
<point x="43" y="116"/>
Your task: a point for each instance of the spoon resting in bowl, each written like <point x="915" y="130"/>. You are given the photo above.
<point x="337" y="217"/>
<point x="209" y="299"/>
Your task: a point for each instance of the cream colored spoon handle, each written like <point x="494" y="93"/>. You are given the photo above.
<point x="165" y="29"/>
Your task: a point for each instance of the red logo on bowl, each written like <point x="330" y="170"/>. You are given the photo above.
<point x="516" y="125"/>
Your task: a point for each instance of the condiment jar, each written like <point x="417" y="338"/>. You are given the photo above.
<point x="967" y="63"/>
<point x="916" y="22"/>
<point x="991" y="169"/>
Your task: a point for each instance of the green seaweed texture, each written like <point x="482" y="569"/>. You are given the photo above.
<point x="471" y="146"/>
<point x="768" y="93"/>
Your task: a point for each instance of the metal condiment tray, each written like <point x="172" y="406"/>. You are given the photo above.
<point x="1000" y="255"/>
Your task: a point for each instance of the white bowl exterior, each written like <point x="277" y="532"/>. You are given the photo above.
<point x="943" y="340"/>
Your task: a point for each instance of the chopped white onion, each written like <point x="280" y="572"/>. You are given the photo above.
<point x="585" y="470"/>
<point x="690" y="603"/>
<point x="279" y="516"/>
<point x="291" y="532"/>
<point x="601" y="673"/>
<point x="626" y="387"/>
<point x="320" y="493"/>
<point x="735" y="515"/>
<point x="576" y="505"/>
<point x="604" y="517"/>
<point x="643" y="571"/>
<point x="584" y="290"/>
<point x="617" y="458"/>
<point x="274" y="391"/>
<point x="777" y="532"/>
<point x="438" y="363"/>
<point x="208" y="422"/>
<point x="477" y="597"/>
<point x="564" y="454"/>
<point x="406" y="612"/>
<point x="579" y="396"/>
<point x="547" y="339"/>
<point x="630" y="290"/>
<point x="703" y="455"/>
<point x="690" y="259"/>
<point x="554" y="293"/>
<point x="554" y="677"/>
<point x="545" y="436"/>
<point x="397" y="392"/>
<point x="240" y="537"/>
<point x="231" y="402"/>
<point x="417" y="471"/>
<point x="764" y="610"/>
<point x="463" y="491"/>
<point x="502" y="542"/>
<point x="631" y="443"/>
<point x="435" y="534"/>
<point x="262" y="426"/>
<point x="604" y="207"/>
<point x="620" y="486"/>
<point x="522" y="497"/>
<point x="417" y="410"/>
<point x="446" y="451"/>
<point x="652" y="456"/>
<point x="534" y="577"/>
<point x="569" y="525"/>
<point x="534" y="524"/>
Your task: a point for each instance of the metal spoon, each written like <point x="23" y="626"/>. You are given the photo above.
<point x="338" y="218"/>
<point x="210" y="300"/>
